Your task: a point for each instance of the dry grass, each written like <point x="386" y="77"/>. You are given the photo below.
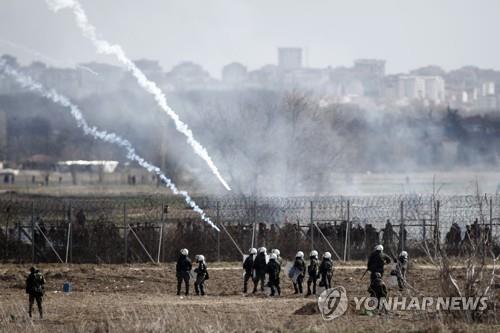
<point x="140" y="298"/>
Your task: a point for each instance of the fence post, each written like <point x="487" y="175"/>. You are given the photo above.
<point x="33" y="254"/>
<point x="424" y="235"/>
<point x="161" y="241"/>
<point x="18" y="251"/>
<point x="254" y="222"/>
<point x="437" y="238"/>
<point x="68" y="241"/>
<point x="7" y="235"/>
<point x="347" y="233"/>
<point x="488" y="238"/>
<point x="125" y="231"/>
<point x="402" y="228"/>
<point x="349" y="226"/>
<point x="218" y="232"/>
<point x="311" y="226"/>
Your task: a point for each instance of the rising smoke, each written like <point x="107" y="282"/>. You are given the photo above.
<point x="28" y="83"/>
<point x="103" y="46"/>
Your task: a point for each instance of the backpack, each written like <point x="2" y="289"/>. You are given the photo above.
<point x="38" y="283"/>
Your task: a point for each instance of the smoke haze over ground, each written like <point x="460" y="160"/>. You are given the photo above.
<point x="311" y="124"/>
<point x="266" y="142"/>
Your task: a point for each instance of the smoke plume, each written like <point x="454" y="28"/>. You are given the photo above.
<point x="103" y="46"/>
<point x="28" y="83"/>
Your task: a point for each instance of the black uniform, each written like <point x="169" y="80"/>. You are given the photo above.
<point x="300" y="265"/>
<point x="259" y="271"/>
<point x="248" y="267"/>
<point x="201" y="276"/>
<point x="377" y="289"/>
<point x="376" y="263"/>
<point x="183" y="268"/>
<point x="35" y="288"/>
<point x="326" y="272"/>
<point x="273" y="271"/>
<point x="401" y="268"/>
<point x="313" y="272"/>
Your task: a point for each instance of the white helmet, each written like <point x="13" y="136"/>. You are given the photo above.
<point x="276" y="252"/>
<point x="200" y="257"/>
<point x="253" y="250"/>
<point x="313" y="253"/>
<point x="184" y="252"/>
<point x="273" y="256"/>
<point x="404" y="254"/>
<point x="262" y="250"/>
<point x="299" y="254"/>
<point x="327" y="255"/>
<point x="379" y="248"/>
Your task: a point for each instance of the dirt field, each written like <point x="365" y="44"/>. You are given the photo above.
<point x="141" y="298"/>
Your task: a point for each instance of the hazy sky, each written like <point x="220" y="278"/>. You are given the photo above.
<point x="408" y="34"/>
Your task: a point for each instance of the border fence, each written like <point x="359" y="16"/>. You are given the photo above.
<point x="124" y="229"/>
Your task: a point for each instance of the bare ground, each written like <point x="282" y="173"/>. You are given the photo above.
<point x="141" y="298"/>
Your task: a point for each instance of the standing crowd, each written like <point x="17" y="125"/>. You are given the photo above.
<point x="259" y="267"/>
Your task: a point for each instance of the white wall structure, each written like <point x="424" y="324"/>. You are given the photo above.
<point x="430" y="88"/>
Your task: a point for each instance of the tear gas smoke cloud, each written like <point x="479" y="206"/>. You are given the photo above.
<point x="28" y="83"/>
<point x="44" y="56"/>
<point x="103" y="46"/>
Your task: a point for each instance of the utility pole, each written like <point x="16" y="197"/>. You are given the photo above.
<point x="125" y="231"/>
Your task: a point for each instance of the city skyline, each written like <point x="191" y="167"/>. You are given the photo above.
<point x="407" y="36"/>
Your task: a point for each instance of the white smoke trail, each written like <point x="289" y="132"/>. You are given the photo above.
<point x="28" y="83"/>
<point x="103" y="46"/>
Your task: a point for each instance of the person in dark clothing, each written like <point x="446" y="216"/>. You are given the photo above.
<point x="259" y="269"/>
<point x="273" y="271"/>
<point x="35" y="288"/>
<point x="313" y="272"/>
<point x="81" y="218"/>
<point x="201" y="275"/>
<point x="326" y="271"/>
<point x="388" y="235"/>
<point x="299" y="267"/>
<point x="376" y="261"/>
<point x="183" y="271"/>
<point x="454" y="236"/>
<point x="248" y="267"/>
<point x="377" y="288"/>
<point x="401" y="269"/>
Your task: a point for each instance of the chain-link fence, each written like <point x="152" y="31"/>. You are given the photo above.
<point x="153" y="228"/>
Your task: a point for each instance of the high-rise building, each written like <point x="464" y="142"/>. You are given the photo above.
<point x="411" y="87"/>
<point x="290" y="58"/>
<point x="370" y="67"/>
<point x="434" y="88"/>
<point x="430" y="88"/>
<point x="371" y="73"/>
